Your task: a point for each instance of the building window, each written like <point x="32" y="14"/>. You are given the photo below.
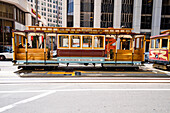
<point x="6" y="28"/>
<point x="87" y="13"/>
<point x="70" y="9"/>
<point x="146" y="16"/>
<point x="6" y="10"/>
<point x="107" y="7"/>
<point x="165" y="16"/>
<point x="127" y="13"/>
<point x="33" y="21"/>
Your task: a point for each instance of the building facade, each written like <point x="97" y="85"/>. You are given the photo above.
<point x="15" y="15"/>
<point x="144" y="16"/>
<point x="51" y="10"/>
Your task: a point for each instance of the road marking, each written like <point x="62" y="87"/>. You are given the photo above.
<point x="2" y="109"/>
<point x="48" y="91"/>
<point x="32" y="91"/>
<point x="113" y="90"/>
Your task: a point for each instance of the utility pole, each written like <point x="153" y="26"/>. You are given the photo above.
<point x="36" y="13"/>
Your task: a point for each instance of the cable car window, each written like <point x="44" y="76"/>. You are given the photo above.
<point x="157" y="43"/>
<point x="75" y="41"/>
<point x="98" y="42"/>
<point x="152" y="43"/>
<point x="64" y="41"/>
<point x="164" y="43"/>
<point x="125" y="44"/>
<point x="87" y="41"/>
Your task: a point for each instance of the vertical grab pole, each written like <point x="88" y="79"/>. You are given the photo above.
<point x="144" y="41"/>
<point x="22" y="41"/>
<point x="37" y="38"/>
<point x="51" y="47"/>
<point x="44" y="48"/>
<point x="132" y="47"/>
<point x="26" y="47"/>
<point x="116" y="51"/>
<point x="13" y="46"/>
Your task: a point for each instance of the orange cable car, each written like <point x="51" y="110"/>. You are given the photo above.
<point x="106" y="46"/>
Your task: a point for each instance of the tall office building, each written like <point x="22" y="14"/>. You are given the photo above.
<point x="144" y="16"/>
<point x="15" y="15"/>
<point x="51" y="10"/>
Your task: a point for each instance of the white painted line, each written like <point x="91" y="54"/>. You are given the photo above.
<point x="32" y="91"/>
<point x="86" y="81"/>
<point x="63" y="90"/>
<point x="2" y="109"/>
<point x="112" y="90"/>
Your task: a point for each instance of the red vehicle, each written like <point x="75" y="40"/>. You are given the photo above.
<point x="160" y="50"/>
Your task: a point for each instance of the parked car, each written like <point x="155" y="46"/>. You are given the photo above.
<point x="6" y="53"/>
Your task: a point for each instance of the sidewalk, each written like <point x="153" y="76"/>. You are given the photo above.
<point x="7" y="68"/>
<point x="149" y="67"/>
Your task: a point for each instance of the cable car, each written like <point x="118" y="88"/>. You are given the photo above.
<point x="159" y="50"/>
<point x="106" y="46"/>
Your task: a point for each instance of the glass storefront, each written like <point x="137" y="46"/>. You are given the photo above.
<point x="6" y="32"/>
<point x="9" y="14"/>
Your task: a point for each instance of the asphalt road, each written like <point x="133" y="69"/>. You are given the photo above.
<point x="117" y="93"/>
<point x="42" y="97"/>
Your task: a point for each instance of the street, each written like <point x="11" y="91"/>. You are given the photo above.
<point x="118" y="93"/>
<point x="85" y="97"/>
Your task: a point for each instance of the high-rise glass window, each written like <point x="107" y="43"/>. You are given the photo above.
<point x="127" y="13"/>
<point x="70" y="9"/>
<point x="107" y="8"/>
<point x="87" y="13"/>
<point x="146" y="16"/>
<point x="6" y="32"/>
<point x="6" y="10"/>
<point x="165" y="17"/>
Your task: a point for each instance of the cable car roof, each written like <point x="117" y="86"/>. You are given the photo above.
<point x="71" y="30"/>
<point x="163" y="35"/>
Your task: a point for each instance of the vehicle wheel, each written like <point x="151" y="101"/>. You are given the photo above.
<point x="2" y="58"/>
